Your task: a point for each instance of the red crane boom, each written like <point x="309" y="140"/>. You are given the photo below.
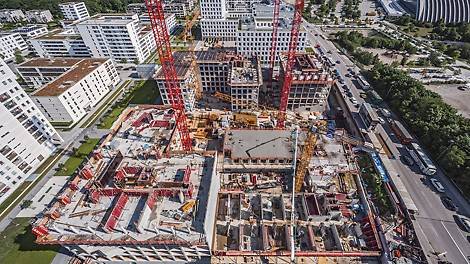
<point x="294" y="38"/>
<point x="277" y="6"/>
<point x="157" y="21"/>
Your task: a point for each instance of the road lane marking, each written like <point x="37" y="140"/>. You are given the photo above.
<point x="453" y="240"/>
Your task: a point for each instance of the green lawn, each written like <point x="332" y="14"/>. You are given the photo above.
<point x="46" y="163"/>
<point x="18" y="245"/>
<point x="72" y="163"/>
<point x="308" y="49"/>
<point x="11" y="198"/>
<point x="144" y="92"/>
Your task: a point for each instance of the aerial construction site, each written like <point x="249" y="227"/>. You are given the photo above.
<point x="257" y="185"/>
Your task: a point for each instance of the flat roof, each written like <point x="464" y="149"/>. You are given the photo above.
<point x="59" y="85"/>
<point x="247" y="143"/>
<point x="121" y="19"/>
<point x="182" y="63"/>
<point x="55" y="34"/>
<point x="55" y="62"/>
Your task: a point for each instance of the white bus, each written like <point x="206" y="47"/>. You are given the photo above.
<point x="363" y="83"/>
<point x="424" y="162"/>
<point x="331" y="63"/>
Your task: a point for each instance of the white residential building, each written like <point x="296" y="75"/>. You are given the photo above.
<point x="60" y="43"/>
<point x="9" y="43"/>
<point x="70" y="96"/>
<point x="31" y="31"/>
<point x="74" y="10"/>
<point x="26" y="137"/>
<point x="185" y="72"/>
<point x="11" y="15"/>
<point x="39" y="16"/>
<point x="118" y="36"/>
<point x="170" y="21"/>
<point x="180" y="8"/>
<point x="38" y="72"/>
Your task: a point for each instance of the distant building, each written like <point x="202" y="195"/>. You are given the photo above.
<point x="74" y="10"/>
<point x="311" y="83"/>
<point x="31" y="31"/>
<point x="26" y="137"/>
<point x="117" y="36"/>
<point x="170" y="21"/>
<point x="60" y="43"/>
<point x="447" y="11"/>
<point x="11" y="42"/>
<point x="11" y="15"/>
<point x="39" y="16"/>
<point x="180" y="8"/>
<point x="70" y="96"/>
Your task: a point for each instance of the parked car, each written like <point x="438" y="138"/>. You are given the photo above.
<point x="338" y="62"/>
<point x="381" y="120"/>
<point x="349" y="94"/>
<point x="345" y="87"/>
<point x="463" y="221"/>
<point x="449" y="204"/>
<point x="408" y="160"/>
<point x="438" y="185"/>
<point x="353" y="100"/>
<point x="385" y="112"/>
<point x="462" y="88"/>
<point x="348" y="75"/>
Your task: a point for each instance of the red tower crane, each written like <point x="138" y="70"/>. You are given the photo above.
<point x="277" y="6"/>
<point x="157" y="21"/>
<point x="294" y="38"/>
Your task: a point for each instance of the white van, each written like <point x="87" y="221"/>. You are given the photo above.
<point x="385" y="112"/>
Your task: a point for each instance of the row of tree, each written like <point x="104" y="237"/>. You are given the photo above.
<point x="351" y="9"/>
<point x="353" y="39"/>
<point x="437" y="125"/>
<point x="93" y="6"/>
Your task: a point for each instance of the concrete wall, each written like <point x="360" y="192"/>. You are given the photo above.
<point x="211" y="209"/>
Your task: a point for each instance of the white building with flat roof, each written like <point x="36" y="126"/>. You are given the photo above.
<point x="70" y="96"/>
<point x="117" y="36"/>
<point x="31" y="31"/>
<point x="447" y="11"/>
<point x="39" y="16"/>
<point x="11" y="15"/>
<point x="26" y="137"/>
<point x="11" y="42"/>
<point x="74" y="10"/>
<point x="60" y="43"/>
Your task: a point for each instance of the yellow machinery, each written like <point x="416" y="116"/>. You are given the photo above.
<point x="307" y="152"/>
<point x="190" y="41"/>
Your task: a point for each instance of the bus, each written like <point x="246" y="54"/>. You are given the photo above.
<point x="424" y="162"/>
<point x="331" y="63"/>
<point x="375" y="97"/>
<point x="363" y="83"/>
<point x="400" y="131"/>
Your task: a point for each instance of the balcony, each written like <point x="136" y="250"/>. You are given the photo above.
<point x="4" y="97"/>
<point x="16" y="111"/>
<point x="9" y="105"/>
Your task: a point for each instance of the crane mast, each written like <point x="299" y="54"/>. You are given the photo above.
<point x="157" y="21"/>
<point x="277" y="6"/>
<point x="288" y="75"/>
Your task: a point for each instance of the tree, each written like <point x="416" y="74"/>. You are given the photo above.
<point x="26" y="204"/>
<point x="61" y="167"/>
<point x="18" y="57"/>
<point x="86" y="138"/>
<point x="123" y="60"/>
<point x="136" y="61"/>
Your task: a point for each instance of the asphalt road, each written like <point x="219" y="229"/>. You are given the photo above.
<point x="436" y="227"/>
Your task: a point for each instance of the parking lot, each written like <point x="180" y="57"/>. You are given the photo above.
<point x="457" y="98"/>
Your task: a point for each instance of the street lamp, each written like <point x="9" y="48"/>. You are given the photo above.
<point x="390" y="89"/>
<point x="445" y="150"/>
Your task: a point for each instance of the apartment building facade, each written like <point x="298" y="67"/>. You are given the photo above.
<point x="60" y="43"/>
<point x="39" y="16"/>
<point x="118" y="36"/>
<point x="26" y="137"/>
<point x="74" y="10"/>
<point x="11" y="42"/>
<point x="31" y="31"/>
<point x="70" y="96"/>
<point x="38" y="72"/>
<point x="11" y="15"/>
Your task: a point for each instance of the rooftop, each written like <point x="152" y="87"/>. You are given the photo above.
<point x="70" y="78"/>
<point x="246" y="72"/>
<point x="113" y="19"/>
<point x="59" y="34"/>
<point x="309" y="68"/>
<point x="182" y="64"/>
<point x="55" y="62"/>
<point x="246" y="143"/>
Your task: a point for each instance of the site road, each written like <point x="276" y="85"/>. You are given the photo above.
<point x="434" y="224"/>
